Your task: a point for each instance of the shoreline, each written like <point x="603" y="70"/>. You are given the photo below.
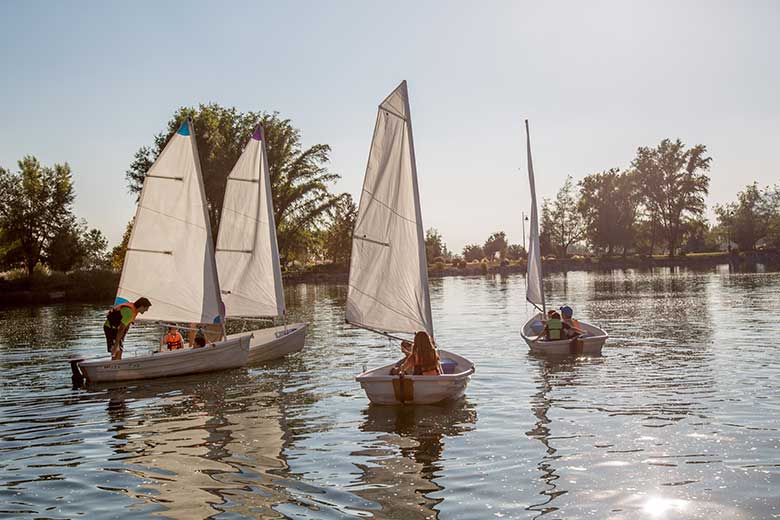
<point x="100" y="286"/>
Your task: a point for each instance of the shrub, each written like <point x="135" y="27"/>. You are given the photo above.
<point x="438" y="266"/>
<point x="438" y="260"/>
<point x="484" y="267"/>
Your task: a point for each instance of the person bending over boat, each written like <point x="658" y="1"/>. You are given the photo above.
<point x="422" y="358"/>
<point x="118" y="322"/>
<point x="172" y="340"/>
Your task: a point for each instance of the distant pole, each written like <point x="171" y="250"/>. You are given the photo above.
<point x="523" y="217"/>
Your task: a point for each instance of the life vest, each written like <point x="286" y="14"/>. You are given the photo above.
<point x="554" y="329"/>
<point x="114" y="316"/>
<point x="174" y="341"/>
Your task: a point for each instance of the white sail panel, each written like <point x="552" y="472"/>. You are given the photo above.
<point x="534" y="284"/>
<point x="170" y="255"/>
<point x="247" y="254"/>
<point x="388" y="276"/>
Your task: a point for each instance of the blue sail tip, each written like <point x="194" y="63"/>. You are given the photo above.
<point x="257" y="135"/>
<point x="184" y="129"/>
<point x="119" y="300"/>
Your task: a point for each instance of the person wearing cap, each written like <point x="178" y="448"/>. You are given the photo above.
<point x="574" y="325"/>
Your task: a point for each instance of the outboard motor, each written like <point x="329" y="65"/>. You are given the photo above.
<point x="77" y="377"/>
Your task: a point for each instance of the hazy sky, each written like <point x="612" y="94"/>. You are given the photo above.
<point x="91" y="82"/>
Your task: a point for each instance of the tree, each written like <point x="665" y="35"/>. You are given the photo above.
<point x="338" y="239"/>
<point x="95" y="247"/>
<point x="562" y="225"/>
<point x="515" y="252"/>
<point x="673" y="187"/>
<point x="496" y="243"/>
<point x="299" y="178"/>
<point x="473" y="253"/>
<point x="35" y="204"/>
<point x="435" y="246"/>
<point x="608" y="204"/>
<point x="65" y="250"/>
<point x="119" y="251"/>
<point x="751" y="217"/>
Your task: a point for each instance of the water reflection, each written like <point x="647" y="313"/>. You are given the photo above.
<point x="407" y="457"/>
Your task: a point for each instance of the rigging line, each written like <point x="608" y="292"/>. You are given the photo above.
<point x="233" y="250"/>
<point x="250" y="217"/>
<point x="387" y="335"/>
<point x="400" y="313"/>
<point x="392" y="113"/>
<point x="389" y="208"/>
<point x="174" y="218"/>
<point x="243" y="180"/>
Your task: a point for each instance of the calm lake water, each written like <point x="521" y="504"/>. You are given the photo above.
<point x="680" y="418"/>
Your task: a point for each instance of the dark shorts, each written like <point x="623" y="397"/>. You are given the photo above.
<point x="110" y="337"/>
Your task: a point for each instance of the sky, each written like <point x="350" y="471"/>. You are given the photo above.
<point x="88" y="83"/>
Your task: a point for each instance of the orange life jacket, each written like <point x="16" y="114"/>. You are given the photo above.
<point x="117" y="311"/>
<point x="174" y="341"/>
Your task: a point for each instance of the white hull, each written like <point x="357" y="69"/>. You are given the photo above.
<point x="591" y="344"/>
<point x="274" y="342"/>
<point x="383" y="388"/>
<point x="231" y="353"/>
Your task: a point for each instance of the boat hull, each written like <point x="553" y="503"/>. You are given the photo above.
<point x="385" y="389"/>
<point x="231" y="353"/>
<point x="274" y="342"/>
<point x="591" y="344"/>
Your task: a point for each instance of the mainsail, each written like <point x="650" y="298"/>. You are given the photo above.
<point x="170" y="255"/>
<point x="535" y="287"/>
<point x="247" y="253"/>
<point x="388" y="276"/>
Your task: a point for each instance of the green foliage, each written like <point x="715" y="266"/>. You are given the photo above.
<point x="338" y="236"/>
<point x="672" y="187"/>
<point x="516" y="252"/>
<point x="35" y="204"/>
<point x="495" y="244"/>
<point x="119" y="251"/>
<point x="609" y="204"/>
<point x="66" y="249"/>
<point x="435" y="246"/>
<point x="299" y="178"/>
<point x="753" y="217"/>
<point x="95" y="248"/>
<point x="561" y="225"/>
<point x="472" y="253"/>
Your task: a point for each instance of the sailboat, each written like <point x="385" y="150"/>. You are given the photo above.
<point x="388" y="275"/>
<point x="248" y="257"/>
<point x="170" y="260"/>
<point x="593" y="338"/>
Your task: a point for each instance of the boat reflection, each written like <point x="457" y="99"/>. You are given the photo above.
<point x="563" y="370"/>
<point x="198" y="446"/>
<point x="409" y="455"/>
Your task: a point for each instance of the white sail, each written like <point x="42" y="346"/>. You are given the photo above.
<point x="534" y="285"/>
<point x="170" y="255"/>
<point x="388" y="276"/>
<point x="247" y="253"/>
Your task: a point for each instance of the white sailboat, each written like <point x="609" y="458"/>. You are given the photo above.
<point x="248" y="256"/>
<point x="593" y="338"/>
<point x="388" y="276"/>
<point x="170" y="261"/>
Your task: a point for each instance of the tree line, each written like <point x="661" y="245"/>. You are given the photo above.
<point x="655" y="205"/>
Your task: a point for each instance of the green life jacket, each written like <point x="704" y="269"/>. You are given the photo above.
<point x="554" y="329"/>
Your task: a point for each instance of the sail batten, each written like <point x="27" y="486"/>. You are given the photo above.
<point x="170" y="255"/>
<point x="388" y="277"/>
<point x="534" y="282"/>
<point x="247" y="251"/>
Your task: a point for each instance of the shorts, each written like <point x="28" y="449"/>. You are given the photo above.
<point x="110" y="337"/>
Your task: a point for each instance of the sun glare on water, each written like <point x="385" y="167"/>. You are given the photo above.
<point x="659" y="507"/>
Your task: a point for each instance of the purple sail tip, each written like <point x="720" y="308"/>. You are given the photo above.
<point x="258" y="133"/>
